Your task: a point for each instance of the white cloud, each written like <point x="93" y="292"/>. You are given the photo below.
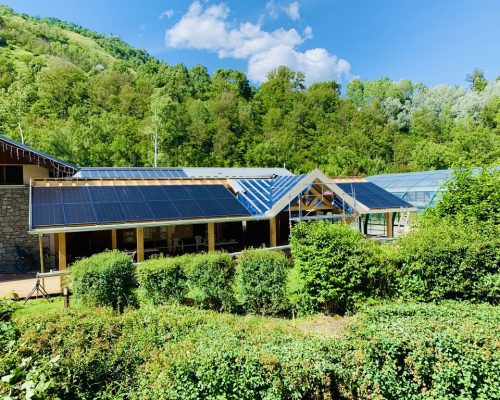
<point x="166" y="14"/>
<point x="272" y="9"/>
<point x="207" y="28"/>
<point x="292" y="10"/>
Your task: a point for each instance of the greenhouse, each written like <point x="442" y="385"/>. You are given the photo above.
<point x="421" y="189"/>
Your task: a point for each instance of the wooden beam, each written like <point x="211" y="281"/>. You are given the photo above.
<point x="170" y="239"/>
<point x="317" y="208"/>
<point x="273" y="237"/>
<point x="140" y="244"/>
<point x="62" y="255"/>
<point x="389" y="225"/>
<point x="114" y="241"/>
<point x="211" y="236"/>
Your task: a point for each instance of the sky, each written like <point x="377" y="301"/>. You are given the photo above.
<point x="429" y="41"/>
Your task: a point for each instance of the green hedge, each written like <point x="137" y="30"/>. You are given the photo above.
<point x="334" y="267"/>
<point x="449" y="260"/>
<point x="105" y="279"/>
<point x="262" y="281"/>
<point x="164" y="280"/>
<point x="421" y="351"/>
<point x="211" y="277"/>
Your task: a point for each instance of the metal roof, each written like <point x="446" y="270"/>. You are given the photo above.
<point x="178" y="172"/>
<point x="5" y="142"/>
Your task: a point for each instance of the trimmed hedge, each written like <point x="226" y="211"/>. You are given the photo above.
<point x="262" y="281"/>
<point x="334" y="267"/>
<point x="211" y="277"/>
<point x="164" y="280"/>
<point x="105" y="279"/>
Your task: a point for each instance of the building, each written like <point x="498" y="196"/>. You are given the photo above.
<point x="76" y="212"/>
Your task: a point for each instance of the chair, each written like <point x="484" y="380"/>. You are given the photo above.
<point x="178" y="244"/>
<point x="200" y="241"/>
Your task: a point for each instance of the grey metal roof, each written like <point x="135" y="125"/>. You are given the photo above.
<point x="5" y="141"/>
<point x="178" y="172"/>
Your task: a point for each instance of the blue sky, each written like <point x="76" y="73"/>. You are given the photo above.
<point x="430" y="41"/>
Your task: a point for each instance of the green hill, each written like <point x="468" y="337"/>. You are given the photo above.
<point x="94" y="100"/>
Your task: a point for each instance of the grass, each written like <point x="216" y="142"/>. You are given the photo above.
<point x="37" y="307"/>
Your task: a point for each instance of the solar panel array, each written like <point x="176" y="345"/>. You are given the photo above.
<point x="371" y="195"/>
<point x="260" y="195"/>
<point x="131" y="173"/>
<point x="88" y="205"/>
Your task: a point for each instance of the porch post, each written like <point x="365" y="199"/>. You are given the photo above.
<point x="273" y="242"/>
<point x="211" y="236"/>
<point x="140" y="244"/>
<point x="62" y="255"/>
<point x="389" y="223"/>
<point x="42" y="266"/>
<point x="114" y="242"/>
<point x="170" y="239"/>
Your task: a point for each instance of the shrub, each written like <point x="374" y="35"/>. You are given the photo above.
<point x="446" y="260"/>
<point x="333" y="263"/>
<point x="262" y="278"/>
<point x="421" y="351"/>
<point x="212" y="278"/>
<point x="105" y="279"/>
<point x="163" y="280"/>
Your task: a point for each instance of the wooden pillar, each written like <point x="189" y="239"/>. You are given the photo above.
<point x="211" y="236"/>
<point x="62" y="255"/>
<point x="389" y="225"/>
<point x="170" y="239"/>
<point x="114" y="241"/>
<point x="273" y="239"/>
<point x="140" y="244"/>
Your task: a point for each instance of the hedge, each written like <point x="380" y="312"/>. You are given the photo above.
<point x="164" y="280"/>
<point x="104" y="279"/>
<point x="262" y="281"/>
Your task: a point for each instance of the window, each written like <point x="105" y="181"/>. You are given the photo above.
<point x="11" y="175"/>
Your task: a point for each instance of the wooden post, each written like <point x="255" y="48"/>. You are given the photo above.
<point x="170" y="239"/>
<point x="62" y="255"/>
<point x="211" y="236"/>
<point x="114" y="241"/>
<point x="42" y="266"/>
<point x="273" y="240"/>
<point x="389" y="224"/>
<point x="140" y="244"/>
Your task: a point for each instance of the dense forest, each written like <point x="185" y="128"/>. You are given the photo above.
<point x="95" y="101"/>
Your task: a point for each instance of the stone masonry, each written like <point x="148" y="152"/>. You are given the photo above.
<point x="14" y="225"/>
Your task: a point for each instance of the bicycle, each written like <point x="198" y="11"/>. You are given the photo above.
<point x="25" y="261"/>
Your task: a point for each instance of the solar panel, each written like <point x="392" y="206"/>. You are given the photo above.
<point x="68" y="205"/>
<point x="371" y="195"/>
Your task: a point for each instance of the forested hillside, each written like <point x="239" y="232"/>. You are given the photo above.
<point x="94" y="100"/>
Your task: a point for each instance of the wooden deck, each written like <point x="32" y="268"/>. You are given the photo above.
<point x="22" y="284"/>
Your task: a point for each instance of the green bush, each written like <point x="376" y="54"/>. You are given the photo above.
<point x="421" y="351"/>
<point x="212" y="279"/>
<point x="334" y="266"/>
<point x="262" y="281"/>
<point x="448" y="260"/>
<point x="164" y="280"/>
<point x="105" y="279"/>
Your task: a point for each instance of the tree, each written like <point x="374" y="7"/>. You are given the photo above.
<point x="477" y="80"/>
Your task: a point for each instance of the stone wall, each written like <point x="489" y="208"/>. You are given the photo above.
<point x="14" y="225"/>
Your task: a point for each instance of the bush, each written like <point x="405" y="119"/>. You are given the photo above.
<point x="212" y="278"/>
<point x="262" y="277"/>
<point x="105" y="279"/>
<point x="421" y="351"/>
<point x="334" y="264"/>
<point x="446" y="260"/>
<point x="163" y="280"/>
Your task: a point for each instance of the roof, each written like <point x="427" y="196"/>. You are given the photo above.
<point x="372" y="196"/>
<point x="5" y="141"/>
<point x="178" y="172"/>
<point x="66" y="206"/>
<point x="411" y="181"/>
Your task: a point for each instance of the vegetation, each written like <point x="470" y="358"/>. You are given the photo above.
<point x="105" y="279"/>
<point x="262" y="277"/>
<point x="95" y="101"/>
<point x="163" y="280"/>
